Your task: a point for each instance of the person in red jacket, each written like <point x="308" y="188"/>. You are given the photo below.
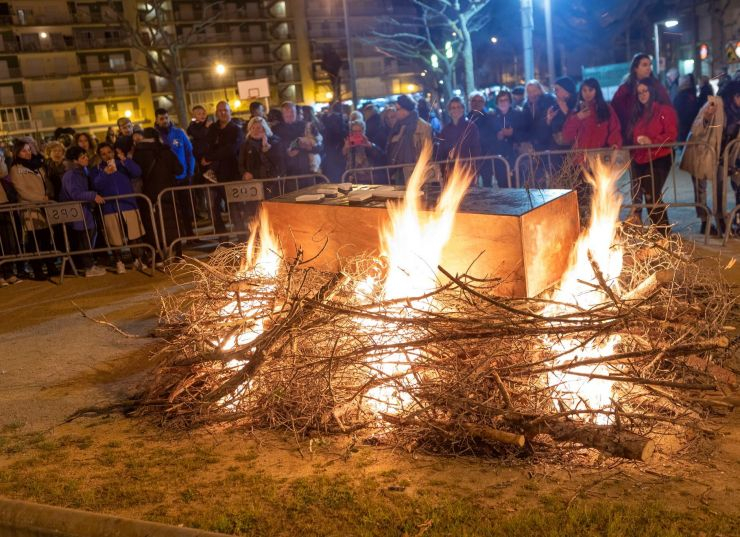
<point x="625" y="98"/>
<point x="652" y="124"/>
<point x="593" y="124"/>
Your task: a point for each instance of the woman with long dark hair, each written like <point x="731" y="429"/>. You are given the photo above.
<point x="652" y="123"/>
<point x="624" y="100"/>
<point x="593" y="123"/>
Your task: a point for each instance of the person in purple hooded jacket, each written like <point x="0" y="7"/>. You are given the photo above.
<point x="76" y="187"/>
<point x="121" y="217"/>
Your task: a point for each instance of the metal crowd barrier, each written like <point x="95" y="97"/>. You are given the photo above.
<point x="393" y="173"/>
<point x="39" y="231"/>
<point x="178" y="214"/>
<point x="543" y="165"/>
<point x="731" y="147"/>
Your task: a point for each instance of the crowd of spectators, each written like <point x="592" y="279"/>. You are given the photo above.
<point x="292" y="140"/>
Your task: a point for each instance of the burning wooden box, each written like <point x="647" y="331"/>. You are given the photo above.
<point x="522" y="237"/>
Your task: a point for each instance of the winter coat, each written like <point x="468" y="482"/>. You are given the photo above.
<point x="661" y="128"/>
<point x="159" y="167"/>
<point x="176" y="139"/>
<point x="198" y="132"/>
<point x="76" y="187"/>
<point x="624" y="101"/>
<point x="485" y="123"/>
<point x="407" y="139"/>
<point x="116" y="184"/>
<point x="588" y="133"/>
<point x="705" y="91"/>
<point x="536" y="129"/>
<point x="686" y="106"/>
<point x="376" y="132"/>
<point x="697" y="159"/>
<point x="31" y="187"/>
<point x="289" y="135"/>
<point x="55" y="172"/>
<point x="500" y="121"/>
<point x="458" y="141"/>
<point x="223" y="150"/>
<point x="261" y="164"/>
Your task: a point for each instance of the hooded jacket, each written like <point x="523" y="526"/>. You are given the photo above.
<point x="701" y="163"/>
<point x="116" y="184"/>
<point x="176" y="139"/>
<point x="661" y="127"/>
<point x="76" y="187"/>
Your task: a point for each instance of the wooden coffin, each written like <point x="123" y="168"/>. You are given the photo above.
<point x="522" y="237"/>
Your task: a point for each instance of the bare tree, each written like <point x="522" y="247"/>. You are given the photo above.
<point x="427" y="32"/>
<point x="155" y="36"/>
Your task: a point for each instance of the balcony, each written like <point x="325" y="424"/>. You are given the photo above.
<point x="12" y="72"/>
<point x="106" y="68"/>
<point x="102" y="42"/>
<point x="12" y="99"/>
<point x="107" y="92"/>
<point x="52" y="72"/>
<point x="70" y="93"/>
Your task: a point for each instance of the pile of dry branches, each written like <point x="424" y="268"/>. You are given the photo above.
<point x="459" y="370"/>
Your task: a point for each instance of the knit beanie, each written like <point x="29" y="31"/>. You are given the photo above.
<point x="406" y="102"/>
<point x="567" y="84"/>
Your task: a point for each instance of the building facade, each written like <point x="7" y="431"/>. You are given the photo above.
<point x="80" y="63"/>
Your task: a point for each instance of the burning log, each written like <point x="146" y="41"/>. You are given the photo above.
<point x="607" y="439"/>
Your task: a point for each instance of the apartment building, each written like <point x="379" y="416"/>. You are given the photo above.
<point x="376" y="75"/>
<point x="68" y="63"/>
<point x="74" y="63"/>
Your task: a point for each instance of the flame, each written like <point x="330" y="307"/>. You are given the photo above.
<point x="580" y="290"/>
<point x="411" y="244"/>
<point x="261" y="263"/>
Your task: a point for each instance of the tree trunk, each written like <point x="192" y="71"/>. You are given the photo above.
<point x="468" y="62"/>
<point x="181" y="102"/>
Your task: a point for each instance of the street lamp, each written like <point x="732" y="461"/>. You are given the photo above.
<point x="350" y="58"/>
<point x="494" y="40"/>
<point x="670" y="23"/>
<point x="220" y="70"/>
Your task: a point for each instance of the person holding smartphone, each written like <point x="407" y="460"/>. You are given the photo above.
<point x="361" y="152"/>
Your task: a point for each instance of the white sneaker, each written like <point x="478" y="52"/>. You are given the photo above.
<point x="13" y="280"/>
<point x="120" y="267"/>
<point x="138" y="265"/>
<point x="4" y="283"/>
<point x="95" y="271"/>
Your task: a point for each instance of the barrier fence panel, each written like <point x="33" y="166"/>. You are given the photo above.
<point x="730" y="175"/>
<point x="229" y="207"/>
<point x="74" y="231"/>
<point x="487" y="167"/>
<point x="562" y="169"/>
<point x="25" y="235"/>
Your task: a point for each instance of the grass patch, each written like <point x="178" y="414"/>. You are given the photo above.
<point x="233" y="490"/>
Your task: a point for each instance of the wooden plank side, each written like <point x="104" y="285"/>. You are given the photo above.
<point x="548" y="237"/>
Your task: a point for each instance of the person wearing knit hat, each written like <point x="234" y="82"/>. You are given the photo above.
<point x="567" y="84"/>
<point x="566" y="97"/>
<point x="409" y="135"/>
<point x="407" y="103"/>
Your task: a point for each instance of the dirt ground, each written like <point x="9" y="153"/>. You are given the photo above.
<point x="54" y="361"/>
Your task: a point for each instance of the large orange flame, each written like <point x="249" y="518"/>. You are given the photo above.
<point x="597" y="249"/>
<point x="412" y="243"/>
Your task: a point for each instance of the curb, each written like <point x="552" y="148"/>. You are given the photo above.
<point x="25" y="518"/>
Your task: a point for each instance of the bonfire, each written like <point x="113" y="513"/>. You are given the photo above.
<point x="629" y="348"/>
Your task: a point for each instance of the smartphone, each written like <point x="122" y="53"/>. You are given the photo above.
<point x="356" y="139"/>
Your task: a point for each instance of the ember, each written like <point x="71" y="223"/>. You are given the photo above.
<point x="399" y="348"/>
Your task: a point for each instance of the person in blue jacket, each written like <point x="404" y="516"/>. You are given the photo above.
<point x="121" y="217"/>
<point x="177" y="140"/>
<point x="76" y="187"/>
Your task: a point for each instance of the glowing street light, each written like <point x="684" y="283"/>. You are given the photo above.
<point x="494" y="39"/>
<point x="670" y="23"/>
<point x="220" y="69"/>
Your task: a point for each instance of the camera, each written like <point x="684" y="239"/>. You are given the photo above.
<point x="356" y="139"/>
